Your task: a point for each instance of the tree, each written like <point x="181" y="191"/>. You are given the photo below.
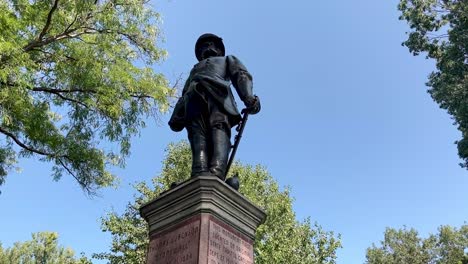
<point x="439" y="28"/>
<point x="76" y="83"/>
<point x="281" y="239"/>
<point x="43" y="249"/>
<point x="405" y="246"/>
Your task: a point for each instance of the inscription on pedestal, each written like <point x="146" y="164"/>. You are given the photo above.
<point x="177" y="246"/>
<point x="227" y="247"/>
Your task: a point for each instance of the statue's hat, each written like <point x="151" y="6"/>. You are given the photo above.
<point x="208" y="36"/>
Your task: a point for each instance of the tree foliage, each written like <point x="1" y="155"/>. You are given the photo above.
<point x="439" y="28"/>
<point x="281" y="239"/>
<point x="43" y="248"/>
<point x="403" y="246"/>
<point x="75" y="75"/>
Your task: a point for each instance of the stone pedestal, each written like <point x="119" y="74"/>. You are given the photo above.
<point x="201" y="221"/>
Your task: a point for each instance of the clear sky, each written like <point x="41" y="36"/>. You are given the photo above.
<point x="346" y="122"/>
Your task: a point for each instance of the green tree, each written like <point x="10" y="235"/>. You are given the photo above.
<point x="439" y="28"/>
<point x="281" y="239"/>
<point x="42" y="249"/>
<point x="76" y="83"/>
<point x="404" y="246"/>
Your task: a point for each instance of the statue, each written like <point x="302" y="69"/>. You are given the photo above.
<point x="207" y="109"/>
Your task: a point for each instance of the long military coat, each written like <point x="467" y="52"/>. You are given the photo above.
<point x="214" y="75"/>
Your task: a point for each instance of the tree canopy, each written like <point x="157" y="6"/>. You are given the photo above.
<point x="43" y="248"/>
<point x="281" y="239"/>
<point x="406" y="246"/>
<point x="76" y="83"/>
<point x="439" y="28"/>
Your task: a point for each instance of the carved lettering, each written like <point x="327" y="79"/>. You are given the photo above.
<point x="226" y="247"/>
<point x="178" y="246"/>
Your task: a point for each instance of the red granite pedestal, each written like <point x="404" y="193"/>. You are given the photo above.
<point x="201" y="221"/>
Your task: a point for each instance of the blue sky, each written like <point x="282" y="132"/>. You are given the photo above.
<point x="346" y="122"/>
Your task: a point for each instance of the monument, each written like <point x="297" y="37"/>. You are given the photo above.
<point x="205" y="219"/>
<point x="207" y="109"/>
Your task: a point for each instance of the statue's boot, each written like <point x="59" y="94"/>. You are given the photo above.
<point x="221" y="148"/>
<point x="199" y="154"/>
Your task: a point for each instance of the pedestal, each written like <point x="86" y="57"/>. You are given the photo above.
<point x="201" y="221"/>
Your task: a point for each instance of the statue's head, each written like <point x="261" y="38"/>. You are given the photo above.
<point x="209" y="45"/>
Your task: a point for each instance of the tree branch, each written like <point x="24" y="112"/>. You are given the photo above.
<point x="43" y="42"/>
<point x="73" y="22"/>
<point x="51" y="90"/>
<point x="49" y="19"/>
<point x="43" y="153"/>
<point x="435" y="36"/>
<point x="87" y="42"/>
<point x="52" y="54"/>
<point x="141" y="96"/>
<point x="68" y="34"/>
<point x="58" y="93"/>
<point x="131" y="38"/>
<point x="21" y="144"/>
<point x="72" y="100"/>
<point x="80" y="182"/>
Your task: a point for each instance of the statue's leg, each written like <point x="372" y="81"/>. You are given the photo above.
<point x="198" y="134"/>
<point x="221" y="147"/>
<point x="220" y="138"/>
<point x="198" y="144"/>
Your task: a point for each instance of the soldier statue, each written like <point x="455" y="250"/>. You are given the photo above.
<point x="207" y="109"/>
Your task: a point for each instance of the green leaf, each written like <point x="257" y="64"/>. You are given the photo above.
<point x="75" y="75"/>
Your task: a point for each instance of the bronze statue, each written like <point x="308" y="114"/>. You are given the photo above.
<point x="207" y="109"/>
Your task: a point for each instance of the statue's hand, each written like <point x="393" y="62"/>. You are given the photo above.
<point x="252" y="104"/>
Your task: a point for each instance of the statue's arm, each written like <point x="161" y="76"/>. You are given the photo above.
<point x="242" y="81"/>
<point x="176" y="122"/>
<point x="241" y="78"/>
<point x="186" y="85"/>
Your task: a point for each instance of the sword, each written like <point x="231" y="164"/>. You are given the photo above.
<point x="237" y="138"/>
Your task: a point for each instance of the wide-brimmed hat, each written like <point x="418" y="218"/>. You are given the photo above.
<point x="208" y="36"/>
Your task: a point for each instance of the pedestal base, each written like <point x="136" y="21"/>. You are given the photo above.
<point x="201" y="221"/>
